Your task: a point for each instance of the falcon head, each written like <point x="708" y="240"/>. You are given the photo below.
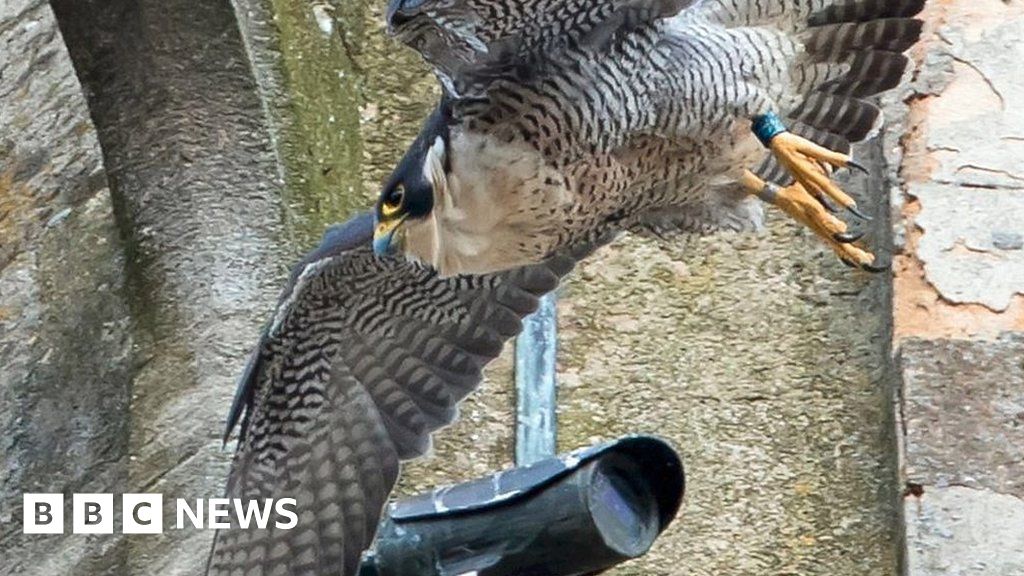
<point x="404" y="211"/>
<point x="469" y="203"/>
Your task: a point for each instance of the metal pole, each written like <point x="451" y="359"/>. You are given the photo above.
<point x="536" y="422"/>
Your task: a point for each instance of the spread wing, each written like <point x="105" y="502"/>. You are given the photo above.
<point x="364" y="358"/>
<point x="471" y="43"/>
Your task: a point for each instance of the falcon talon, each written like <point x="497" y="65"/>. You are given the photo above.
<point x="810" y="209"/>
<point x="826" y="204"/>
<point x="876" y="269"/>
<point x="869" y="267"/>
<point x="858" y="167"/>
<point x="848" y="237"/>
<point x="852" y="209"/>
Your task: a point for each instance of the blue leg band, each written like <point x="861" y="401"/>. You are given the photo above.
<point x="767" y="127"/>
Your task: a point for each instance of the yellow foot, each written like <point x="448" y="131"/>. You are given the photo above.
<point x="811" y="165"/>
<point x="810" y="210"/>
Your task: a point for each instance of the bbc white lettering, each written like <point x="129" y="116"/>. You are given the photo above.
<point x="279" y="507"/>
<point x="143" y="514"/>
<point x="43" y="514"/>
<point x="92" y="514"/>
<point x="216" y="512"/>
<point x="252" y="509"/>
<point x="196" y="518"/>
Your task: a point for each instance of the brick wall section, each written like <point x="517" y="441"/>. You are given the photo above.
<point x="959" y="294"/>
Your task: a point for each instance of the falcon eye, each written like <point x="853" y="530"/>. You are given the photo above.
<point x="393" y="200"/>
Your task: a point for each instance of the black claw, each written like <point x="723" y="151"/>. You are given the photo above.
<point x="876" y="269"/>
<point x="826" y="204"/>
<point x="857" y="166"/>
<point x="872" y="268"/>
<point x="853" y="210"/>
<point x="847" y="237"/>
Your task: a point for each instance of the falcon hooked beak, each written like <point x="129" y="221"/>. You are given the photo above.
<point x="386" y="239"/>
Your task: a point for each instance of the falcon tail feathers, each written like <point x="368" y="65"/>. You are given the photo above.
<point x="851" y="50"/>
<point x="865" y="10"/>
<point x="869" y="36"/>
<point x="866" y="38"/>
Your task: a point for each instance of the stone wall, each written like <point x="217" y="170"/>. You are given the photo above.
<point x="959" y="295"/>
<point x="65" y="337"/>
<point x="136" y="281"/>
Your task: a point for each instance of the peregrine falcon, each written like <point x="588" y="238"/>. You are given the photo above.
<point x="362" y="360"/>
<point x="564" y="119"/>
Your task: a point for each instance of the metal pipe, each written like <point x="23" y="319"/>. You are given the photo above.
<point x="536" y="389"/>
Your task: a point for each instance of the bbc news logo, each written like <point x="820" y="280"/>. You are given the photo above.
<point x="144" y="514"/>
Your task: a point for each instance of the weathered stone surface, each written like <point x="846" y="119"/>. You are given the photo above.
<point x="47" y="144"/>
<point x="957" y="531"/>
<point x="974" y="139"/>
<point x="961" y="203"/>
<point x="197" y="189"/>
<point x="959" y="309"/>
<point x="344" y="100"/>
<point x="963" y="406"/>
<point x="64" y="333"/>
<point x="765" y="364"/>
<point x="971" y="242"/>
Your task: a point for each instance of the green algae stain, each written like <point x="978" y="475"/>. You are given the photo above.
<point x="355" y="100"/>
<point x="322" y="147"/>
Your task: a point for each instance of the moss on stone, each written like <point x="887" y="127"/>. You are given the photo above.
<point x="355" y="99"/>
